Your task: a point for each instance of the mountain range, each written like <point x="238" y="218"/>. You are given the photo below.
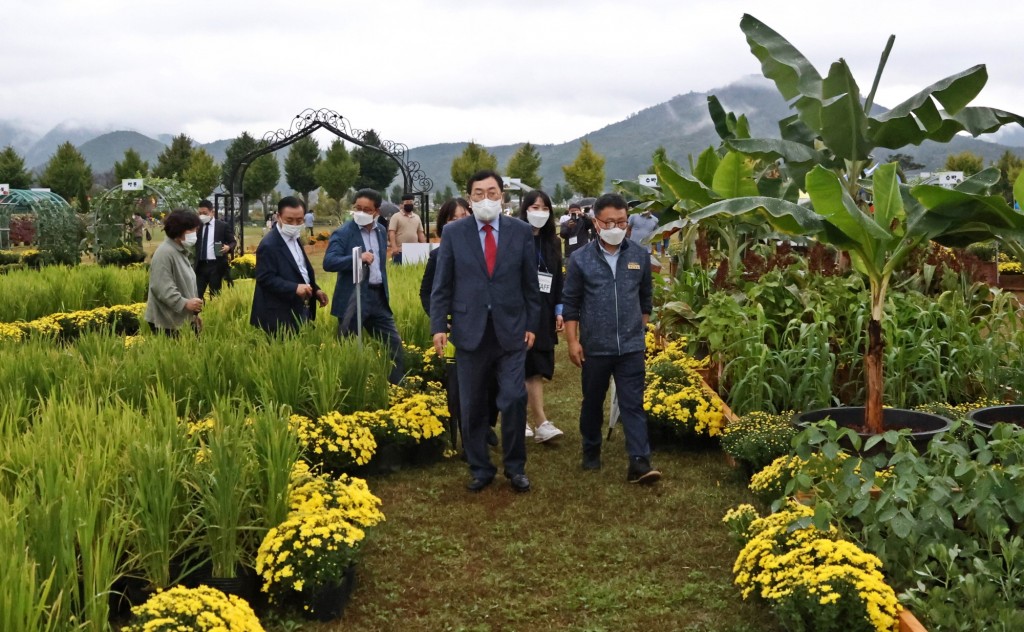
<point x="682" y="125"/>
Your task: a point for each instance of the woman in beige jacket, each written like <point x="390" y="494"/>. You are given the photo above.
<point x="172" y="297"/>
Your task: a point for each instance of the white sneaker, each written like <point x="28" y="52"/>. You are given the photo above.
<point x="529" y="431"/>
<point x="546" y="432"/>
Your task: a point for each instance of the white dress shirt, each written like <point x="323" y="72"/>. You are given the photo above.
<point x="297" y="254"/>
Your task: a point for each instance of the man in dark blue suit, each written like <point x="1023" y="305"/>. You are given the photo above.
<point x="486" y="280"/>
<point x="286" y="292"/>
<point x="364" y="231"/>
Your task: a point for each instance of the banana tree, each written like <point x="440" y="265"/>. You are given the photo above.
<point x="904" y="218"/>
<point x="826" y="149"/>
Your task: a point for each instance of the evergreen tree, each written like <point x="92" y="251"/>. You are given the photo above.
<point x="376" y="169"/>
<point x="300" y="166"/>
<point x="586" y="174"/>
<point x="662" y="153"/>
<point x="12" y="169"/>
<point x="174" y="161"/>
<point x="966" y="161"/>
<point x="906" y="162"/>
<point x="67" y="173"/>
<point x="472" y="159"/>
<point x="131" y="166"/>
<point x="1009" y="165"/>
<point x="337" y="172"/>
<point x="238" y="148"/>
<point x="559" y="196"/>
<point x="261" y="179"/>
<point x="395" y="195"/>
<point x="203" y="172"/>
<point x="444" y="196"/>
<point x="525" y="165"/>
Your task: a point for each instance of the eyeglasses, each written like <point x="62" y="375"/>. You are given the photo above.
<point x="476" y="196"/>
<point x="610" y="224"/>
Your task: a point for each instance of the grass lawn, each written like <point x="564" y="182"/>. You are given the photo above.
<point x="581" y="551"/>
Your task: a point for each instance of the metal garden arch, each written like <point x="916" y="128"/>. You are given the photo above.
<point x="414" y="180"/>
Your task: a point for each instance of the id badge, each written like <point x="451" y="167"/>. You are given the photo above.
<point x="544" y="280"/>
<point x="573" y="240"/>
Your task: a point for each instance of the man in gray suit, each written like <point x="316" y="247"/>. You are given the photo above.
<point x="486" y="280"/>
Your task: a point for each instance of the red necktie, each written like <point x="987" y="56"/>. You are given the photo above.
<point x="490" y="249"/>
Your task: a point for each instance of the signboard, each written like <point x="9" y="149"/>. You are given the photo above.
<point x="131" y="184"/>
<point x="416" y="253"/>
<point x="357" y="265"/>
<point x="648" y="180"/>
<point x="5" y="189"/>
<point x="949" y="179"/>
<point x="40" y="189"/>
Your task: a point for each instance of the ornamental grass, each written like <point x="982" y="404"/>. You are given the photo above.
<point x="201" y="609"/>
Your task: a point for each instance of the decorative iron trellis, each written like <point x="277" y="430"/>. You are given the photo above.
<point x="414" y="180"/>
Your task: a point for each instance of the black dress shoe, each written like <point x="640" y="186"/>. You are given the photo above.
<point x="477" y="484"/>
<point x="519" y="483"/>
<point x="592" y="459"/>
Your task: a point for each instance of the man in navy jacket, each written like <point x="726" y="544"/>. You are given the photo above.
<point x="364" y="231"/>
<point x="606" y="305"/>
<point x="286" y="291"/>
<point x="486" y="280"/>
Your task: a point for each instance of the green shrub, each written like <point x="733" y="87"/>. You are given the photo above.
<point x="759" y="438"/>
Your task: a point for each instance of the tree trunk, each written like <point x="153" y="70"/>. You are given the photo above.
<point x="873" y="375"/>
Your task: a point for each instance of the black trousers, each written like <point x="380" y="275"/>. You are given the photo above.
<point x="210" y="274"/>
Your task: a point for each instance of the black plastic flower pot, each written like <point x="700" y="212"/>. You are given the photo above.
<point x="986" y="418"/>
<point x="923" y="426"/>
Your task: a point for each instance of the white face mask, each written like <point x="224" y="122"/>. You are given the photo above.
<point x="206" y="219"/>
<point x="361" y="218"/>
<point x="537" y="219"/>
<point x="190" y="239"/>
<point x="487" y="210"/>
<point x="613" y="236"/>
<point x="291" y="232"/>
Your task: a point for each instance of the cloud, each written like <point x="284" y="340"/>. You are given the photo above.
<point x="447" y="70"/>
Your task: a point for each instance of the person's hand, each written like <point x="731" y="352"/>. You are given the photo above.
<point x="367" y="257"/>
<point x="225" y="249"/>
<point x="576" y="354"/>
<point x="304" y="291"/>
<point x="559" y="323"/>
<point x="194" y="305"/>
<point x="321" y="297"/>
<point x="529" y="339"/>
<point x="440" y="342"/>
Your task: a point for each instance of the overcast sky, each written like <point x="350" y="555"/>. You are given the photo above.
<point x="495" y="71"/>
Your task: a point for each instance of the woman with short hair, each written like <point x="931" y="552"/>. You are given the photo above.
<point x="173" y="299"/>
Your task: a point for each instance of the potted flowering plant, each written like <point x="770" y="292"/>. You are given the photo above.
<point x="675" y="399"/>
<point x="309" y="560"/>
<point x="198" y="609"/>
<point x="336" y="441"/>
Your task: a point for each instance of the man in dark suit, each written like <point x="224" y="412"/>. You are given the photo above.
<point x="286" y="291"/>
<point x="486" y="280"/>
<point x="215" y="242"/>
<point x="364" y="231"/>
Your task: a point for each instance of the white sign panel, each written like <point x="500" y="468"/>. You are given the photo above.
<point x="949" y="179"/>
<point x="648" y="180"/>
<point x="5" y="189"/>
<point x="133" y="184"/>
<point x="416" y="253"/>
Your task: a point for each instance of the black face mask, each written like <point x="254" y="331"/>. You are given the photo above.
<point x="408" y="208"/>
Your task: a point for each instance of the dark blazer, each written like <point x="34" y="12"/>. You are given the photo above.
<point x="463" y="290"/>
<point x="427" y="284"/>
<point x="274" y="302"/>
<point x="548" y="260"/>
<point x="221" y="232"/>
<point x="338" y="258"/>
